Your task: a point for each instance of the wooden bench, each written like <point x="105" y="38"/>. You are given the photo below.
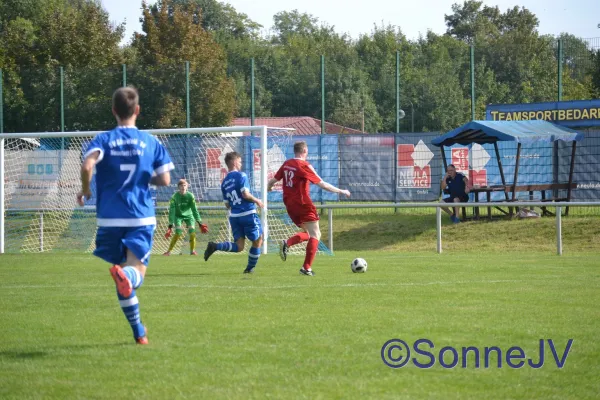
<point x="508" y="189"/>
<point x="543" y="188"/>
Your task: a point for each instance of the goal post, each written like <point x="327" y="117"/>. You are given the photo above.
<point x="2" y="213"/>
<point x="263" y="188"/>
<point x="40" y="176"/>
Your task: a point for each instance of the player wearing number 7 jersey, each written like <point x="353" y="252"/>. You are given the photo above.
<point x="127" y="161"/>
<point x="243" y="219"/>
<point x="297" y="173"/>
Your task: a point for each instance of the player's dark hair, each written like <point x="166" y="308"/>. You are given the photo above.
<point x="451" y="165"/>
<point x="124" y="101"/>
<point x="299" y="147"/>
<point x="231" y="156"/>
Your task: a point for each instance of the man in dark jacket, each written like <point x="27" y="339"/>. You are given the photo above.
<point x="456" y="185"/>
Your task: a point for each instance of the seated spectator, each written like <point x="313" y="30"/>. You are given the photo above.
<point x="456" y="185"/>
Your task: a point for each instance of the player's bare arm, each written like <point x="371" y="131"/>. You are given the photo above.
<point x="163" y="179"/>
<point x="248" y="196"/>
<point x="330" y="188"/>
<point x="271" y="183"/>
<point x="466" y="181"/>
<point x="87" y="170"/>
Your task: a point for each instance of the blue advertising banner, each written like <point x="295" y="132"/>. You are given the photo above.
<point x="580" y="113"/>
<point x="322" y="155"/>
<point x="367" y="166"/>
<point x="586" y="172"/>
<point x="388" y="167"/>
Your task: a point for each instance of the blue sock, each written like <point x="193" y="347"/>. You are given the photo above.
<point x="130" y="305"/>
<point x="134" y="277"/>
<point x="253" y="258"/>
<point x="228" y="247"/>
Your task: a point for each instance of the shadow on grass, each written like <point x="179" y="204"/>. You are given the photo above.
<point x="196" y="274"/>
<point x="22" y="355"/>
<point x="53" y="350"/>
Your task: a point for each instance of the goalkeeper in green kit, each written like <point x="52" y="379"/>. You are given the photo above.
<point x="182" y="208"/>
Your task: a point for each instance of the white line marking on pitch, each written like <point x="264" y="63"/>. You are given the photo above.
<point x="241" y="286"/>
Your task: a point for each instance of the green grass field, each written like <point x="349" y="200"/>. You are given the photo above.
<point x="215" y="333"/>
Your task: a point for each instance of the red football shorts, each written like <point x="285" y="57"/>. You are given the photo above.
<point x="301" y="213"/>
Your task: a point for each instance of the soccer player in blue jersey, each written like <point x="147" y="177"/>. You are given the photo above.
<point x="243" y="219"/>
<point x="127" y="161"/>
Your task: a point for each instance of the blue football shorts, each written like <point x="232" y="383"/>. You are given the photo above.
<point x="112" y="243"/>
<point x="247" y="226"/>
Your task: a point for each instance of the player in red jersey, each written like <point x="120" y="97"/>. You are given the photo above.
<point x="297" y="173"/>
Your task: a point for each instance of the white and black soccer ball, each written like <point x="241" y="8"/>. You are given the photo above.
<point x="359" y="265"/>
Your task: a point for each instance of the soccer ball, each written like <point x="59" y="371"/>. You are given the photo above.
<point x="359" y="265"/>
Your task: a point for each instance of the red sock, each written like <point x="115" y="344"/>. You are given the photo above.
<point x="311" y="252"/>
<point x="298" y="238"/>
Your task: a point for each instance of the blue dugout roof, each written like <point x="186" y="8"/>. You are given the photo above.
<point x="507" y="131"/>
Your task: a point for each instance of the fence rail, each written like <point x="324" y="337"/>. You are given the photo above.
<point x="330" y="207"/>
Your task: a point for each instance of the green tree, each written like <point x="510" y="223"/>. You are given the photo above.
<point x="291" y="71"/>
<point x="578" y="68"/>
<point x="377" y="53"/>
<point x="36" y="37"/>
<point x="290" y="24"/>
<point x="596" y="72"/>
<point x="521" y="61"/>
<point x="171" y="37"/>
<point x="439" y="63"/>
<point x="220" y="18"/>
<point x="239" y="36"/>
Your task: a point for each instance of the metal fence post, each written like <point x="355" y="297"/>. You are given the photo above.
<point x="560" y="69"/>
<point x="397" y="91"/>
<point x="438" y="225"/>
<point x="62" y="100"/>
<point x="559" y="246"/>
<point x="62" y="117"/>
<point x="187" y="94"/>
<point x="187" y="116"/>
<point x="322" y="94"/>
<point x="252" y="93"/>
<point x="395" y="190"/>
<point x="330" y="232"/>
<point x="472" y="51"/>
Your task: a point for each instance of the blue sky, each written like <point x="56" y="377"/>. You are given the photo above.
<point x="578" y="17"/>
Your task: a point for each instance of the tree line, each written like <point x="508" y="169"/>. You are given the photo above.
<point x="62" y="59"/>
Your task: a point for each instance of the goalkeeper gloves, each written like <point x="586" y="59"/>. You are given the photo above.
<point x="169" y="231"/>
<point x="203" y="227"/>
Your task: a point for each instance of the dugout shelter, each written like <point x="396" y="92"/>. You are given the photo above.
<point x="523" y="133"/>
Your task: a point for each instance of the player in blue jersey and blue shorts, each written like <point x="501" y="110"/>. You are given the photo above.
<point x="244" y="221"/>
<point x="127" y="161"/>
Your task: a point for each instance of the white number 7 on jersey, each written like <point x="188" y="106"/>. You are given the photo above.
<point x="128" y="167"/>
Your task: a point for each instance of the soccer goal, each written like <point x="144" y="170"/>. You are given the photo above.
<point x="41" y="177"/>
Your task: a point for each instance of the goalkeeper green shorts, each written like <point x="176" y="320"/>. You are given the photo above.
<point x="189" y="222"/>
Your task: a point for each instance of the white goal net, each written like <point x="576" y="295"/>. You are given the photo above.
<point x="41" y="177"/>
